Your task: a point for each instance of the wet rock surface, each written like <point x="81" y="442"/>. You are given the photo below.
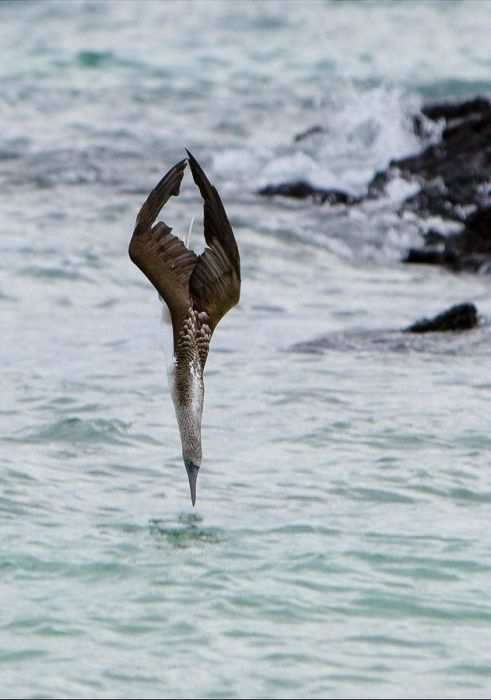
<point x="442" y="334"/>
<point x="455" y="172"/>
<point x="300" y="189"/>
<point x="461" y="317"/>
<point x="454" y="178"/>
<point x="469" y="249"/>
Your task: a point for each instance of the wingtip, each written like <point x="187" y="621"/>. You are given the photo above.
<point x="199" y="175"/>
<point x="179" y="169"/>
<point x="182" y="165"/>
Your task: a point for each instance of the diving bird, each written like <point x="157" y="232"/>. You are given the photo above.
<point x="197" y="289"/>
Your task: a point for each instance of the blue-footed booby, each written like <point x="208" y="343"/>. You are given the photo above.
<point x="197" y="289"/>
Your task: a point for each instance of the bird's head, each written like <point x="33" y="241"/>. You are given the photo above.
<point x="192" y="470"/>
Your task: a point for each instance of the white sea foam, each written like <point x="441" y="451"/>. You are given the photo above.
<point x="400" y="188"/>
<point x="362" y="130"/>
<point x="298" y="166"/>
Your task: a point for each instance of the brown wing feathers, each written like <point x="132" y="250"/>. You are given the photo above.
<point x="162" y="257"/>
<point x="210" y="282"/>
<point x="216" y="224"/>
<point x="168" y="186"/>
<point x="215" y="282"/>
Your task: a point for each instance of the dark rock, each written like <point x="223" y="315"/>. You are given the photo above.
<point x="432" y="256"/>
<point x="453" y="171"/>
<point x="434" y="237"/>
<point x="469" y="250"/>
<point x="454" y="176"/>
<point x="475" y="239"/>
<point x="455" y="184"/>
<point x="376" y="186"/>
<point x="309" y="132"/>
<point x="456" y="110"/>
<point x="300" y="189"/>
<point x="451" y="112"/>
<point x="461" y="317"/>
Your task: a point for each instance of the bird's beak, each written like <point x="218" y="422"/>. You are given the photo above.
<point x="192" y="470"/>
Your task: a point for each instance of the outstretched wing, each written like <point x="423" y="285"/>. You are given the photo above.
<point x="215" y="281"/>
<point x="162" y="257"/>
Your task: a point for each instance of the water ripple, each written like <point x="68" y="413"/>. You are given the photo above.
<point x="75" y="430"/>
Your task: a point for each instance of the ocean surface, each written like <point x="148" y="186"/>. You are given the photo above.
<point x="341" y="543"/>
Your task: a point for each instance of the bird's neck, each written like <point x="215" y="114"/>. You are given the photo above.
<point x="187" y="391"/>
<point x="191" y="343"/>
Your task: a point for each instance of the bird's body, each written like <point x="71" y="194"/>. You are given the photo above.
<point x="196" y="290"/>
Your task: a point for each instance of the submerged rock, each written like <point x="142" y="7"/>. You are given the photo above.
<point x="422" y="336"/>
<point x="461" y="317"/>
<point x="301" y="189"/>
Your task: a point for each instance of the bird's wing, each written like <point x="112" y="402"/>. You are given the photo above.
<point x="215" y="281"/>
<point x="162" y="257"/>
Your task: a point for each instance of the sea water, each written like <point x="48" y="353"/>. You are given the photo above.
<point x="340" y="546"/>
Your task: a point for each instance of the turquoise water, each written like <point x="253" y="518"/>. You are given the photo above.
<point x="340" y="547"/>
